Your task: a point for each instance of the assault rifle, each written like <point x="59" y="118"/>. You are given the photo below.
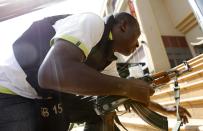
<point x="106" y="104"/>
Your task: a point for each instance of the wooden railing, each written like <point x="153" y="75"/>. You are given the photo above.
<point x="191" y="93"/>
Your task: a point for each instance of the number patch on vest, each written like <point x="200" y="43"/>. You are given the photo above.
<point x="56" y="109"/>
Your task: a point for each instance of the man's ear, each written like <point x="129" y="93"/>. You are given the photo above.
<point x="123" y="25"/>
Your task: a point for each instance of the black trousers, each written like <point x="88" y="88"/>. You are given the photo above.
<point x="21" y="114"/>
<point x="68" y="108"/>
<point x="18" y="114"/>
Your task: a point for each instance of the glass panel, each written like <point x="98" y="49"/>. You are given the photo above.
<point x="197" y="6"/>
<point x="200" y="5"/>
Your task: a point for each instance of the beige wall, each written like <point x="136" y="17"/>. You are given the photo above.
<point x="178" y="9"/>
<point x="171" y="15"/>
<point x="163" y="19"/>
<point x="155" y="50"/>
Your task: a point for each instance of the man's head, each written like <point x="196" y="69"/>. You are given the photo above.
<point x="125" y="33"/>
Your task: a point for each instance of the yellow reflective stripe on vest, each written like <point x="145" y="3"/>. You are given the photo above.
<point x="75" y="41"/>
<point x="4" y="90"/>
<point x="110" y="36"/>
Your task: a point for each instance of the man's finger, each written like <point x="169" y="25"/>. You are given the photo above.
<point x="186" y="112"/>
<point x="184" y="119"/>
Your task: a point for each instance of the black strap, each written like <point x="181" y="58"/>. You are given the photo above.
<point x="102" y="54"/>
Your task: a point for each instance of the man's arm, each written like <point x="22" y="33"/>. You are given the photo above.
<point x="63" y="70"/>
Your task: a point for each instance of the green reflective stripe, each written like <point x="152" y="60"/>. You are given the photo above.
<point x="75" y="41"/>
<point x="110" y="36"/>
<point x="83" y="47"/>
<point x="6" y="90"/>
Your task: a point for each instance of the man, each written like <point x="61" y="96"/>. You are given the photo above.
<point x="66" y="58"/>
<point x="70" y="67"/>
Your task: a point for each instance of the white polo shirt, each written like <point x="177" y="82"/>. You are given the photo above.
<point x="84" y="30"/>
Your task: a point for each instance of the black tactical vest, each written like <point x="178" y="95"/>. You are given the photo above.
<point x="31" y="48"/>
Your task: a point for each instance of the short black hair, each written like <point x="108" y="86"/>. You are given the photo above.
<point x="127" y="17"/>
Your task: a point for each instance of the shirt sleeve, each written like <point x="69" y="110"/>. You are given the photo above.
<point x="83" y="30"/>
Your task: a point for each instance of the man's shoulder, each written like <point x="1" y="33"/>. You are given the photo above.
<point x="81" y="18"/>
<point x="90" y="16"/>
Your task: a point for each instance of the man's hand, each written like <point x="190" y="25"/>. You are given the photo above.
<point x="140" y="91"/>
<point x="168" y="110"/>
<point x="184" y="114"/>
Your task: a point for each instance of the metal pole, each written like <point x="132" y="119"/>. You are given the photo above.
<point x="177" y="100"/>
